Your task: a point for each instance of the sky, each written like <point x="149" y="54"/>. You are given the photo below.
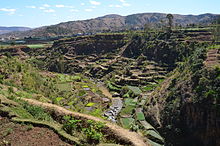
<point x="36" y="13"/>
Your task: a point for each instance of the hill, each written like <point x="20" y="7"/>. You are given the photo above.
<point x="4" y="30"/>
<point x="112" y="23"/>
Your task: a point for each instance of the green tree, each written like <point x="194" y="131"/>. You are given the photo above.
<point x="170" y="20"/>
<point x="217" y="29"/>
<point x="61" y="66"/>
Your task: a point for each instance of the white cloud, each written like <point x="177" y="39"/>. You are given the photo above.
<point x="94" y="3"/>
<point x="115" y="6"/>
<point x="123" y="4"/>
<point x="74" y="10"/>
<point x="118" y="6"/>
<point x="45" y="8"/>
<point x="42" y="8"/>
<point x="49" y="11"/>
<point x="7" y="10"/>
<point x="63" y="6"/>
<point x="126" y="4"/>
<point x="69" y="6"/>
<point x="46" y="5"/>
<point x="59" y="6"/>
<point x="10" y="11"/>
<point x="123" y="1"/>
<point x="31" y="7"/>
<point x="82" y="4"/>
<point x="70" y="17"/>
<point x="88" y="10"/>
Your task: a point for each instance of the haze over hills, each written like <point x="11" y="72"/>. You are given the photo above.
<point x="4" y="30"/>
<point x="112" y="23"/>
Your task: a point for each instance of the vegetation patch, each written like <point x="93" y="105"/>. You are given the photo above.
<point x="37" y="46"/>
<point x="140" y="116"/>
<point x="37" y="112"/>
<point x="127" y="122"/>
<point x="88" y="130"/>
<point x="127" y="111"/>
<point x="135" y="90"/>
<point x="130" y="102"/>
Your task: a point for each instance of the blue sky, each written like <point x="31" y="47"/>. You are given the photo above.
<point x="35" y="13"/>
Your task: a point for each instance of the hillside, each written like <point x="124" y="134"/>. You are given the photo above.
<point x="4" y="30"/>
<point x="153" y="87"/>
<point x="112" y="23"/>
<point x="186" y="105"/>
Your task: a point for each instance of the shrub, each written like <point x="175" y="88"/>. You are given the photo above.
<point x="37" y="112"/>
<point x="93" y="131"/>
<point x="90" y="129"/>
<point x="71" y="125"/>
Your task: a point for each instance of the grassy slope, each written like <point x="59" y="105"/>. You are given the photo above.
<point x="20" y="80"/>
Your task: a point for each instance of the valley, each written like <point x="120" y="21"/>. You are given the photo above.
<point x="139" y="87"/>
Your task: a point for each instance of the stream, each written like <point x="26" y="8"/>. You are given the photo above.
<point x="116" y="106"/>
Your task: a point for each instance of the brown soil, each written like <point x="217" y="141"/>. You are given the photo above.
<point x="23" y="135"/>
<point x="47" y="74"/>
<point x="123" y="134"/>
<point x="105" y="91"/>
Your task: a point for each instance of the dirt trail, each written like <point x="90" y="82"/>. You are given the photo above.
<point x="105" y="91"/>
<point x="118" y="131"/>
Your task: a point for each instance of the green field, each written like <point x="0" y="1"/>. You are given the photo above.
<point x="127" y="111"/>
<point x="140" y="116"/>
<point x="35" y="46"/>
<point x="3" y="46"/>
<point x="127" y="122"/>
<point x="130" y="102"/>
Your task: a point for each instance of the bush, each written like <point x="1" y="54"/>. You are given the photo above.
<point x="90" y="129"/>
<point x="37" y="112"/>
<point x="71" y="125"/>
<point x="93" y="131"/>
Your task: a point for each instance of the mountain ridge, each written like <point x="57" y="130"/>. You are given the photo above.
<point x="112" y="22"/>
<point x="4" y="29"/>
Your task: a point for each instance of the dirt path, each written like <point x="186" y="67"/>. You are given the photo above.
<point x="118" y="131"/>
<point x="105" y="91"/>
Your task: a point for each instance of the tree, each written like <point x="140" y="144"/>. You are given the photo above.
<point x="170" y="20"/>
<point x="61" y="64"/>
<point x="146" y="28"/>
<point x="217" y="30"/>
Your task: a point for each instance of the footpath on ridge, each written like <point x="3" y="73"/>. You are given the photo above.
<point x="123" y="134"/>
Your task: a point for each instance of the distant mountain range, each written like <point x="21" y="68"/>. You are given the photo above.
<point x="4" y="30"/>
<point x="111" y="23"/>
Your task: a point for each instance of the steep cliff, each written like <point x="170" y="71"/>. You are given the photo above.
<point x="186" y="106"/>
